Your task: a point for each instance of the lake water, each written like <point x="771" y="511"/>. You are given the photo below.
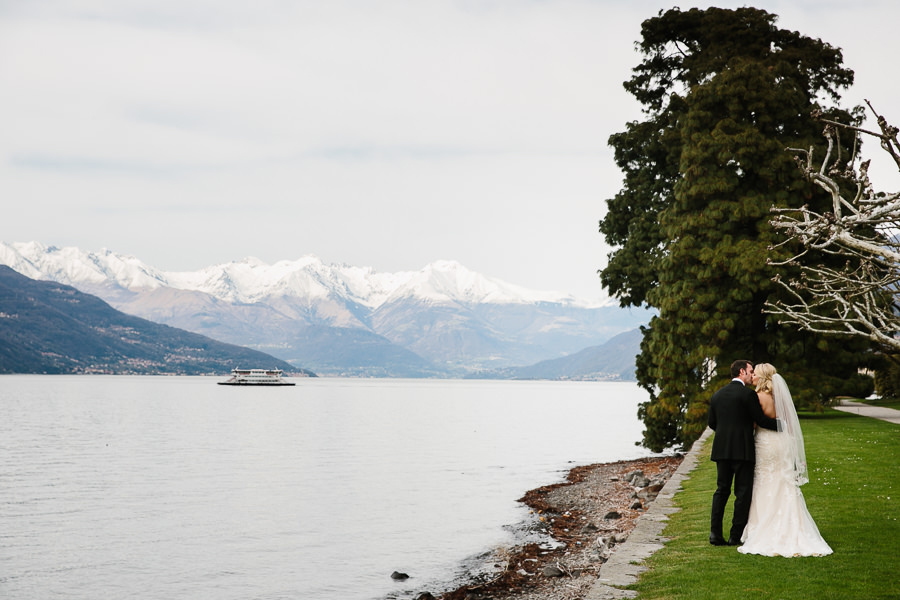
<point x="175" y="487"/>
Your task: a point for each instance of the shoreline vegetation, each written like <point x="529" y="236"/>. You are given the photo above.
<point x="586" y="516"/>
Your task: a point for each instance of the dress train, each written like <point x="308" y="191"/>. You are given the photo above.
<point x="779" y="522"/>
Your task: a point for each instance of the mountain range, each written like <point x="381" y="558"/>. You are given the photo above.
<point x="611" y="361"/>
<point x="443" y="320"/>
<point x="47" y="327"/>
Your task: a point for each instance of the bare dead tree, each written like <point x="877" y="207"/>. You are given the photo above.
<point x="861" y="297"/>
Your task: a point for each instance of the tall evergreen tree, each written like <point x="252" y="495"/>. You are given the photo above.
<point x="724" y="92"/>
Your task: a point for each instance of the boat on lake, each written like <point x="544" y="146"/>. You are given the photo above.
<point x="255" y="377"/>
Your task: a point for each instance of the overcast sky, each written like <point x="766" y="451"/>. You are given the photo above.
<point x="374" y="133"/>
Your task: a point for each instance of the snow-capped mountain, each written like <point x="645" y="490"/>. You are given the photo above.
<point x="341" y="318"/>
<point x="250" y="280"/>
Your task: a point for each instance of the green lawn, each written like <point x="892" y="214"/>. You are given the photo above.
<point x="854" y="497"/>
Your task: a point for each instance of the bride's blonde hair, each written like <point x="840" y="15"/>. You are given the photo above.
<point x="764" y="373"/>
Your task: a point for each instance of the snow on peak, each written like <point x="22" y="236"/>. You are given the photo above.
<point x="252" y="280"/>
<point x="70" y="265"/>
<point x="447" y="280"/>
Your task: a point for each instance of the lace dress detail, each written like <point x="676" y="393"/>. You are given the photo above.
<point x="779" y="523"/>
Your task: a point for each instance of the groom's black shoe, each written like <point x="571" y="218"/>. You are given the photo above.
<point x="717" y="540"/>
<point x="734" y="542"/>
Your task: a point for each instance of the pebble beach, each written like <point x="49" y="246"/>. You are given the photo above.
<point x="585" y="517"/>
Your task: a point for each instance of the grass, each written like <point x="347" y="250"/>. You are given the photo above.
<point x="854" y="497"/>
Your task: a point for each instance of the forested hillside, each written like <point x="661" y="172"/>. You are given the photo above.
<point x="46" y="327"/>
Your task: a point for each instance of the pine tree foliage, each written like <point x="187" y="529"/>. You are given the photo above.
<point x="887" y="377"/>
<point x="724" y="92"/>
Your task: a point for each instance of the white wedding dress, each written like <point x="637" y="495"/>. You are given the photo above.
<point x="779" y="522"/>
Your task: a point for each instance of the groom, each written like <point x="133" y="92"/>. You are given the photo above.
<point x="732" y="412"/>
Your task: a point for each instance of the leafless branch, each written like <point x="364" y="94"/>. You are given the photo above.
<point x="860" y="299"/>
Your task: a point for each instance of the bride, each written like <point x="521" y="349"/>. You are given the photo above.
<point x="779" y="523"/>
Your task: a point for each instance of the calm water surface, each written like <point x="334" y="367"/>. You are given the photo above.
<point x="174" y="487"/>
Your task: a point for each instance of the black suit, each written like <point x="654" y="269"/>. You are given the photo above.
<point x="732" y="412"/>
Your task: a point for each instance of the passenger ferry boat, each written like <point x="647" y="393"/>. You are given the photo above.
<point x="255" y="377"/>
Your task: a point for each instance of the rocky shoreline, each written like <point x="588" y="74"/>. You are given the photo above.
<point x="586" y="516"/>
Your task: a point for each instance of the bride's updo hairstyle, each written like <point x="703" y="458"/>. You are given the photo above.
<point x="764" y="373"/>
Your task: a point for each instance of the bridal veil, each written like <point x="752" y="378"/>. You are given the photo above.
<point x="789" y="424"/>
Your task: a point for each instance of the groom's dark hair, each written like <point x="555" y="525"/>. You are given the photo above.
<point x="738" y="366"/>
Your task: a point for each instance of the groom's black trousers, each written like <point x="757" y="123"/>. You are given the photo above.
<point x="741" y="473"/>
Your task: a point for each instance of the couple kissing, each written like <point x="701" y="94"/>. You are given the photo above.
<point x="766" y="464"/>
